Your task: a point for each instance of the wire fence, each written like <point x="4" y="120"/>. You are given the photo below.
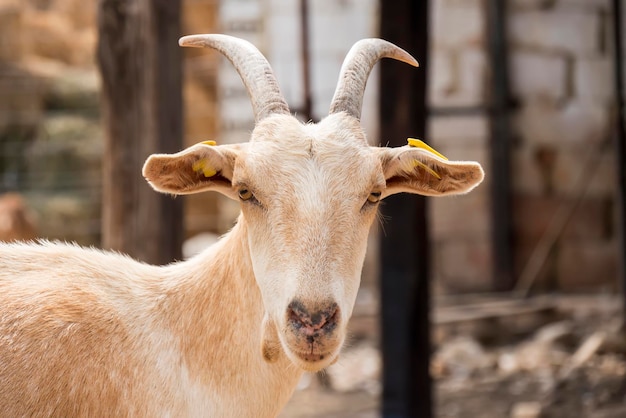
<point x="51" y="150"/>
<point x="51" y="140"/>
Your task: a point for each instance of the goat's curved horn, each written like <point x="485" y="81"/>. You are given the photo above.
<point x="253" y="68"/>
<point x="356" y="69"/>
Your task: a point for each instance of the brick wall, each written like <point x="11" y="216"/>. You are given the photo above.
<point x="461" y="248"/>
<point x="561" y="79"/>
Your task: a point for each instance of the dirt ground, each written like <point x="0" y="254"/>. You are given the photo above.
<point x="548" y="357"/>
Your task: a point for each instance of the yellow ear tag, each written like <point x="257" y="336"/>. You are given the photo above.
<point x="209" y="142"/>
<point x="201" y="165"/>
<point x="416" y="143"/>
<point x="417" y="163"/>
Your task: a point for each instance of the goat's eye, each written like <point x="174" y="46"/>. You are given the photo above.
<point x="245" y="194"/>
<point x="374" y="197"/>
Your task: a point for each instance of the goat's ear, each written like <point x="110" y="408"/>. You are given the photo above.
<point x="198" y="168"/>
<point x="424" y="171"/>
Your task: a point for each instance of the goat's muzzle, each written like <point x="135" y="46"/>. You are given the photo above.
<point x="312" y="332"/>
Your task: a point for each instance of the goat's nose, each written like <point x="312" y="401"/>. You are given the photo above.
<point x="324" y="318"/>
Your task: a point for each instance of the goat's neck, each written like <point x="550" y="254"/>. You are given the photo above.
<point x="217" y="313"/>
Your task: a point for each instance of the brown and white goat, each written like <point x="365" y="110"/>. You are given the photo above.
<point x="229" y="332"/>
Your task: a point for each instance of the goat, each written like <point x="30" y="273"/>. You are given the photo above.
<point x="229" y="332"/>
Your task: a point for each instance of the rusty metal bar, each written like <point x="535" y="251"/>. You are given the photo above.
<point x="305" y="52"/>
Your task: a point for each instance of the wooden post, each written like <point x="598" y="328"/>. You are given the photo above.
<point x="140" y="64"/>
<point x="620" y="143"/>
<point x="405" y="287"/>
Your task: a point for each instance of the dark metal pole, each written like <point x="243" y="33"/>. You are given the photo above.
<point x="502" y="233"/>
<point x="620" y="143"/>
<point x="307" y="107"/>
<point x="405" y="293"/>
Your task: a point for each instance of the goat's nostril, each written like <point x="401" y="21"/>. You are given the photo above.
<point x="334" y="318"/>
<point x="322" y="319"/>
<point x="330" y="318"/>
<point x="296" y="317"/>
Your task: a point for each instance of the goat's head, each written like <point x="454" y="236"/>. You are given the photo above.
<point x="309" y="194"/>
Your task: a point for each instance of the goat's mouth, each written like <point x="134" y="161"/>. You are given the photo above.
<point x="312" y="355"/>
<point x="313" y="361"/>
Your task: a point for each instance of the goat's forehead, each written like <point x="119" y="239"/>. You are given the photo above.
<point x="286" y="131"/>
<point x="332" y="146"/>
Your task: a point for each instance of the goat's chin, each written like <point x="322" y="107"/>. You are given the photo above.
<point x="312" y="362"/>
<point x="312" y="357"/>
<point x="308" y="356"/>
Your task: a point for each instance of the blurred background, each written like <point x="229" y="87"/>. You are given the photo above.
<point x="537" y="335"/>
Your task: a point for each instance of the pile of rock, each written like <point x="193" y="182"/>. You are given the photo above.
<point x="569" y="367"/>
